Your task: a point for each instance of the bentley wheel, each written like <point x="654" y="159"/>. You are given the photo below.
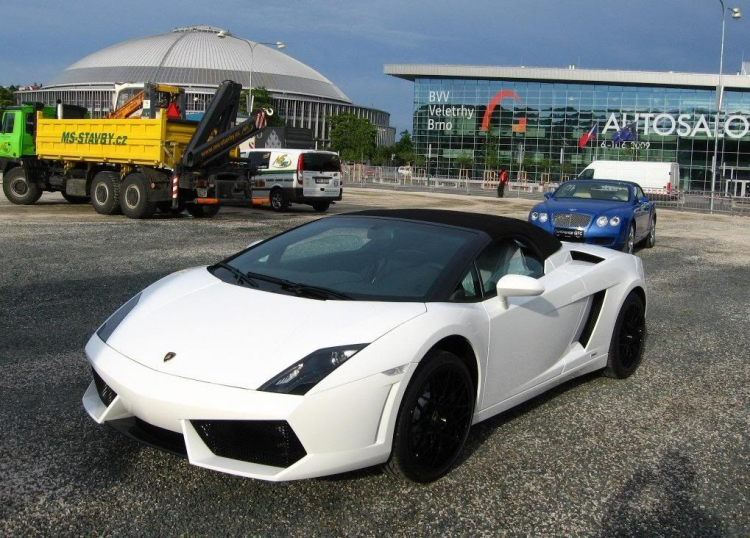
<point x="651" y="239"/>
<point x="630" y="241"/>
<point x="433" y="420"/>
<point x="626" y="348"/>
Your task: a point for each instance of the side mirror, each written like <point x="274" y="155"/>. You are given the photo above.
<point x="254" y="243"/>
<point x="643" y="200"/>
<point x="548" y="195"/>
<point x="517" y="286"/>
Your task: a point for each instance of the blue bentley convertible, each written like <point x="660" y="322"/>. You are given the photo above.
<point x="613" y="214"/>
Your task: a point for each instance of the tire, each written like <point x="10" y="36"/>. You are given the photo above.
<point x="166" y="207"/>
<point x="134" y="198"/>
<point x="650" y="240"/>
<point x="629" y="245"/>
<point x="105" y="193"/>
<point x="202" y="211"/>
<point x="628" y="338"/>
<point x="321" y="207"/>
<point x="279" y="200"/>
<point x="18" y="190"/>
<point x="75" y="199"/>
<point x="433" y="420"/>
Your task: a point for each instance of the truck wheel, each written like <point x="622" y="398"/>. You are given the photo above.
<point x="279" y="200"/>
<point x="203" y="211"/>
<point x="105" y="193"/>
<point x="75" y="199"/>
<point x="18" y="190"/>
<point x="134" y="198"/>
<point x="321" y="207"/>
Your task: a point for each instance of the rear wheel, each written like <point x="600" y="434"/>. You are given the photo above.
<point x="18" y="189"/>
<point x="134" y="198"/>
<point x="628" y="337"/>
<point x="321" y="207"/>
<point x="433" y="420"/>
<point x="75" y="199"/>
<point x="203" y="211"/>
<point x="279" y="200"/>
<point x="105" y="193"/>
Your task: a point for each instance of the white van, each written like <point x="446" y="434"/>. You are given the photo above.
<point x="295" y="176"/>
<point x="655" y="178"/>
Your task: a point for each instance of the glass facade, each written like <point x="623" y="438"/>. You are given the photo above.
<point x="536" y="129"/>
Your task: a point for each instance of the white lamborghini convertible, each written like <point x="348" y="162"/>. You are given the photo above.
<point x="369" y="338"/>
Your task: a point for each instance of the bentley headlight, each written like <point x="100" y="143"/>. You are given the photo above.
<point x="602" y="221"/>
<point x="308" y="372"/>
<point x="542" y="217"/>
<point x="534" y="215"/>
<point x="614" y="221"/>
<point x="109" y="326"/>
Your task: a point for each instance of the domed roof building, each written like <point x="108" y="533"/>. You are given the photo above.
<point x="198" y="59"/>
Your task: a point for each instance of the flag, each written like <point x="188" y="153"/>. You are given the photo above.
<point x="260" y="120"/>
<point x="629" y="133"/>
<point x="588" y="136"/>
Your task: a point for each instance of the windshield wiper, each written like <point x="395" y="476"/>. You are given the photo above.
<point x="241" y="277"/>
<point x="303" y="290"/>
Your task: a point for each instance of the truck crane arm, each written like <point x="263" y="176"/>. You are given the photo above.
<point x="220" y="120"/>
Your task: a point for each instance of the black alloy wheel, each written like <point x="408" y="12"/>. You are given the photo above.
<point x="628" y="338"/>
<point x="434" y="419"/>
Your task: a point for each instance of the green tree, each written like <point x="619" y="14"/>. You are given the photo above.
<point x="6" y="96"/>
<point x="354" y="138"/>
<point x="404" y="148"/>
<point x="261" y="99"/>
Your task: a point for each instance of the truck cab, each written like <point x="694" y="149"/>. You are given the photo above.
<point x="17" y="128"/>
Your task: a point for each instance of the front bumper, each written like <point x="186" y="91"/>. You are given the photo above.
<point x="345" y="428"/>
<point x="607" y="236"/>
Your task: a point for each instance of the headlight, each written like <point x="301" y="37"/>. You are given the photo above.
<point x="109" y="326"/>
<point x="614" y="221"/>
<point x="534" y="215"/>
<point x="542" y="217"/>
<point x="602" y="221"/>
<point x="308" y="372"/>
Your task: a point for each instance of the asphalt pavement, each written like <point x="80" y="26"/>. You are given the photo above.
<point x="663" y="453"/>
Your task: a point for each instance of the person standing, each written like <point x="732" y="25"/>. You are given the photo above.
<point x="501" y="183"/>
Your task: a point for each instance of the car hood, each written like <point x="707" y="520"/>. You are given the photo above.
<point x="242" y="337"/>
<point x="589" y="207"/>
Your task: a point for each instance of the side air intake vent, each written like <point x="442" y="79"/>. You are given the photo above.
<point x="596" y="308"/>
<point x="585" y="257"/>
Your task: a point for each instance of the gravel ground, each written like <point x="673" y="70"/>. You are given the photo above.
<point x="662" y="453"/>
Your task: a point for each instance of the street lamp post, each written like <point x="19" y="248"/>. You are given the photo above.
<point x="719" y="97"/>
<point x="250" y="98"/>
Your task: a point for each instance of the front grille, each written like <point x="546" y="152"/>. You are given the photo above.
<point x="106" y="394"/>
<point x="150" y="435"/>
<point x="266" y="442"/>
<point x="571" y="220"/>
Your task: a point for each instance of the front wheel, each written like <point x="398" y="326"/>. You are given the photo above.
<point x="279" y="200"/>
<point x="628" y="337"/>
<point x="433" y="420"/>
<point x="203" y="211"/>
<point x="321" y="207"/>
<point x="650" y="240"/>
<point x="18" y="189"/>
<point x="629" y="246"/>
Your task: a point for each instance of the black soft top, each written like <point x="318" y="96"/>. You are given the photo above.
<point x="494" y="226"/>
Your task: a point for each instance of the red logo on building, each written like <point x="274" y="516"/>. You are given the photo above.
<point x="519" y="127"/>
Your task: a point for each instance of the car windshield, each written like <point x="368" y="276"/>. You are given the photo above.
<point x="360" y="258"/>
<point x="593" y="190"/>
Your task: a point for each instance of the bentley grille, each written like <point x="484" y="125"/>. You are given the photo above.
<point x="570" y="220"/>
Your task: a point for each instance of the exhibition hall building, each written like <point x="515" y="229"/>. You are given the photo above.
<point x="545" y="124"/>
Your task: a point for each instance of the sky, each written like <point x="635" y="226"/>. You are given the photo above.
<point x="350" y="41"/>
